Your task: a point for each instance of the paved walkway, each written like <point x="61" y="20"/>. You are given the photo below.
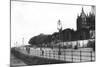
<point x="31" y="60"/>
<point x="16" y="62"/>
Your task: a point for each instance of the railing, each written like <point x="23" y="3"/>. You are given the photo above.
<point x="70" y="55"/>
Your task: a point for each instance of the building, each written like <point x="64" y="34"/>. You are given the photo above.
<point x="86" y="24"/>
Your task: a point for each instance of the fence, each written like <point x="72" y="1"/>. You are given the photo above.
<point x="69" y="55"/>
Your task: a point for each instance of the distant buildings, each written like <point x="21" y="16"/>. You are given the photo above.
<point x="85" y="30"/>
<point x="86" y="24"/>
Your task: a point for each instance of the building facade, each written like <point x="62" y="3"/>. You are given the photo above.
<point x="86" y="24"/>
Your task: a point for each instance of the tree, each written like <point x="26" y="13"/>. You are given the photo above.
<point x="38" y="40"/>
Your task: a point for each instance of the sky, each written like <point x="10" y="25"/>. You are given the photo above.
<point x="30" y="19"/>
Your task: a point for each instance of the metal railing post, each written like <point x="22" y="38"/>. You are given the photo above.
<point x="91" y="55"/>
<point x="80" y="55"/>
<point x="72" y="55"/>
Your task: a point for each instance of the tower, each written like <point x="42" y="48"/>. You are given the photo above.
<point x="59" y="25"/>
<point x="81" y="20"/>
<point x="93" y="8"/>
<point x="86" y="23"/>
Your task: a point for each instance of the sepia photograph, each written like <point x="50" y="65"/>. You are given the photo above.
<point x="51" y="33"/>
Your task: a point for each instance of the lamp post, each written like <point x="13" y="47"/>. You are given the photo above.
<point x="23" y="41"/>
<point x="59" y="27"/>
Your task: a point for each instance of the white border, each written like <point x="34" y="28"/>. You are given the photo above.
<point x="5" y="34"/>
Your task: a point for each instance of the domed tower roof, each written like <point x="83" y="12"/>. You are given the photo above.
<point x="59" y="25"/>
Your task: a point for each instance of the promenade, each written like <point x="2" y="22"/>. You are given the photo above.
<point x="32" y="60"/>
<point x="67" y="55"/>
